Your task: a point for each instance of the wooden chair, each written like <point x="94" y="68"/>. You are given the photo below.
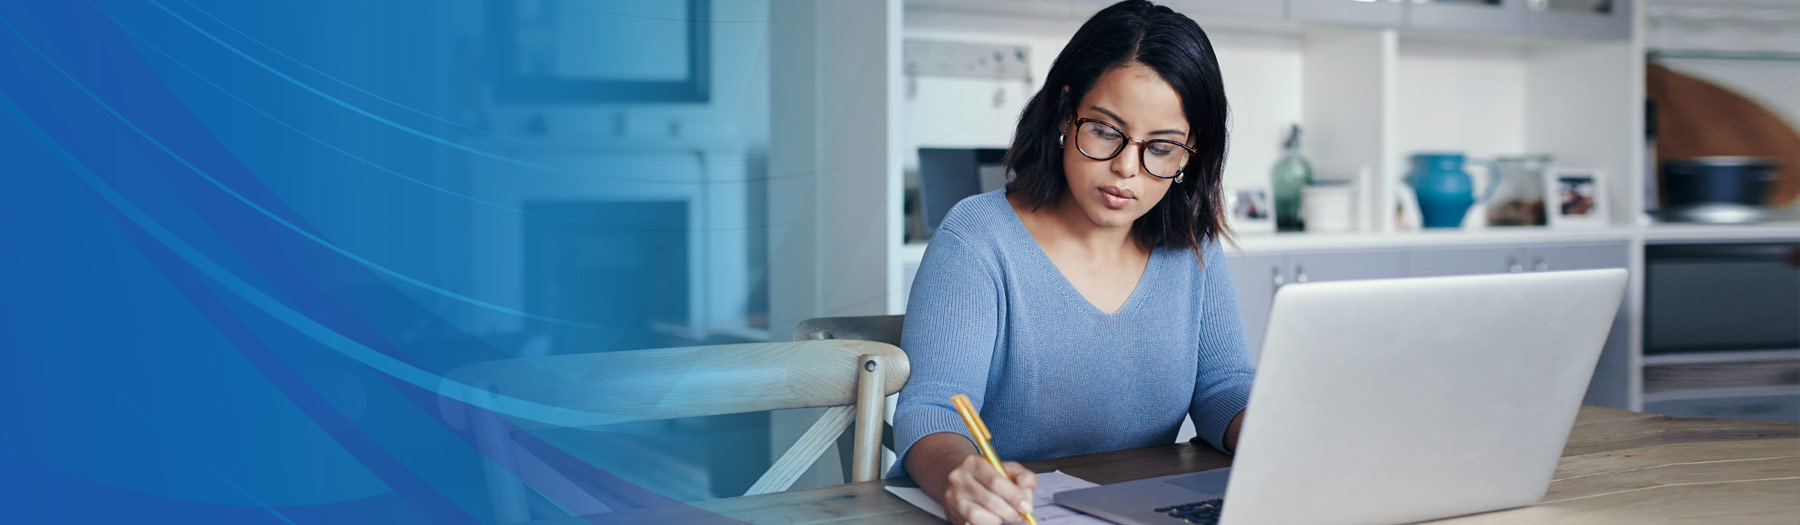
<point x="878" y="328"/>
<point x="852" y="378"/>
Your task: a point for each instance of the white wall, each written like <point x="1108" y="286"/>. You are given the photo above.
<point x="834" y="193"/>
<point x="1460" y="98"/>
<point x="834" y="190"/>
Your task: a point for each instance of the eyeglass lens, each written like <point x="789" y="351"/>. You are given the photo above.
<point x="1102" y="141"/>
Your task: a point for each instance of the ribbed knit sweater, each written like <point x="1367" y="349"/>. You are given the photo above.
<point x="1052" y="375"/>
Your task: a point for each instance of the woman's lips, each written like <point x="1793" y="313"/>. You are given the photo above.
<point x="1117" y="198"/>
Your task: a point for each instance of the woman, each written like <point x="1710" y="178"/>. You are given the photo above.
<point x="1088" y="307"/>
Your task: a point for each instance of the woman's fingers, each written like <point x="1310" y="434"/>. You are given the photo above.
<point x="1024" y="478"/>
<point x="1016" y="498"/>
<point x="978" y="492"/>
<point x="973" y="503"/>
<point x="981" y="495"/>
<point x="975" y="516"/>
<point x="994" y="505"/>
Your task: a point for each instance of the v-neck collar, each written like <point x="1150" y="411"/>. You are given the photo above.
<point x="1068" y="286"/>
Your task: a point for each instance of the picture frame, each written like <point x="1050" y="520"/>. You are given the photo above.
<point x="1250" y="209"/>
<point x="1575" y="198"/>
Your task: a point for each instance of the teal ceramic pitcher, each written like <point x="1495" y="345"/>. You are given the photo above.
<point x="1444" y="190"/>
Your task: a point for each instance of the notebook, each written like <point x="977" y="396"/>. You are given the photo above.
<point x="1045" y="511"/>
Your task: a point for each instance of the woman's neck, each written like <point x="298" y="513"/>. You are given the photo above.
<point x="1061" y="225"/>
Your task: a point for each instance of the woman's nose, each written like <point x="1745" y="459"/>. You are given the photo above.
<point x="1126" y="164"/>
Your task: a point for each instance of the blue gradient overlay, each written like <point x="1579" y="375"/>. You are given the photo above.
<point x="246" y="243"/>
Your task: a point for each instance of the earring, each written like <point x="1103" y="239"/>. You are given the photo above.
<point x="1059" y="140"/>
<point x="1179" y="176"/>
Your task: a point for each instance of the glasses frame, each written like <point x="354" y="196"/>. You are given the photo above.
<point x="1075" y="129"/>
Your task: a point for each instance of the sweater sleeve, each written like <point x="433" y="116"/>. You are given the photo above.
<point x="1222" y="378"/>
<point x="952" y="327"/>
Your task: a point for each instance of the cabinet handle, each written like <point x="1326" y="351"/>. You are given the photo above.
<point x="1278" y="278"/>
<point x="1299" y="274"/>
<point x="1538" y="265"/>
<point x="1513" y="266"/>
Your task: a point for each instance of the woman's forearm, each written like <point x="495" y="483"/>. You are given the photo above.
<point x="933" y="457"/>
<point x="1231" y="431"/>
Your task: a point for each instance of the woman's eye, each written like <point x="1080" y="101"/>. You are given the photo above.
<point x="1105" y="133"/>
<point x="1161" y="150"/>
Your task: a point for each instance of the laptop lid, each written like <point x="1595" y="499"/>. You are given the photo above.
<point x="949" y="175"/>
<point x="1400" y="400"/>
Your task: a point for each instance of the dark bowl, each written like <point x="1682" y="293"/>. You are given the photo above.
<point x="1717" y="180"/>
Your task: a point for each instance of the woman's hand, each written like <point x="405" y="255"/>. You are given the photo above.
<point x="950" y="469"/>
<point x="977" y="495"/>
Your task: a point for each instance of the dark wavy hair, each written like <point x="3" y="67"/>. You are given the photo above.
<point x="1173" y="46"/>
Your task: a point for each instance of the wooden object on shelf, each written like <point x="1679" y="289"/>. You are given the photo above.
<point x="1697" y="118"/>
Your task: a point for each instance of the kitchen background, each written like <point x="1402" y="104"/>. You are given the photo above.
<point x="827" y="211"/>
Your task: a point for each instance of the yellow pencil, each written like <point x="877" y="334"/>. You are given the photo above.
<point x="979" y="431"/>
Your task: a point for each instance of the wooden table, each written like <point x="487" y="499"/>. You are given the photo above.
<point x="1618" y="467"/>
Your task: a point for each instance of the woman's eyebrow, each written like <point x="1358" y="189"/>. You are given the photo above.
<point x="1123" y="124"/>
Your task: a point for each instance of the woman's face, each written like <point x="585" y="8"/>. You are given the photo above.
<point x="1133" y="98"/>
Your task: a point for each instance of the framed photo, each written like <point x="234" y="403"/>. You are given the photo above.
<point x="1576" y="198"/>
<point x="1251" y="210"/>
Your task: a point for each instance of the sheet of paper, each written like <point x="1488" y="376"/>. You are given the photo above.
<point x="1042" y="508"/>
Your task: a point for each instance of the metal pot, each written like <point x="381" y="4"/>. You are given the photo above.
<point x="1717" y="189"/>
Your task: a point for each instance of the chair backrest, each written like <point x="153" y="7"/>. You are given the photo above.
<point x="878" y="328"/>
<point x="852" y="378"/>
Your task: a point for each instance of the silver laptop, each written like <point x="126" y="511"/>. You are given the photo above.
<point x="1399" y="400"/>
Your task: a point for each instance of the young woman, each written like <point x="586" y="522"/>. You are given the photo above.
<point x="1087" y="307"/>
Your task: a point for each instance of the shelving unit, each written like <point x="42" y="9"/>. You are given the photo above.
<point x="1368" y="93"/>
<point x="1372" y="83"/>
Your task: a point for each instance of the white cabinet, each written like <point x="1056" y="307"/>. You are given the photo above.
<point x="1383" y="13"/>
<point x="1583" y="19"/>
<point x="1592" y="19"/>
<point x="1439" y="262"/>
<point x="1081" y="10"/>
<point x="1250" y="8"/>
<point x="1256" y="278"/>
<point x="1485" y="16"/>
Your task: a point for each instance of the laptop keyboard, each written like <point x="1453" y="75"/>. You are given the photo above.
<point x="1206" y="512"/>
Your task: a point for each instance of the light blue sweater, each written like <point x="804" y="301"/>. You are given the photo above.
<point x="992" y="317"/>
